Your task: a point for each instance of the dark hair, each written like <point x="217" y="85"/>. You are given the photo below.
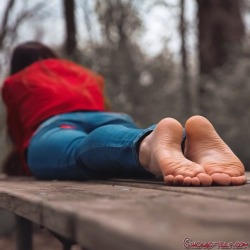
<point x="27" y="53"/>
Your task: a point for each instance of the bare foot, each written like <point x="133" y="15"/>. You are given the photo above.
<point x="205" y="147"/>
<point x="160" y="153"/>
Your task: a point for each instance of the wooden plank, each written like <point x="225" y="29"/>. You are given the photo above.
<point x="102" y="216"/>
<point x="240" y="193"/>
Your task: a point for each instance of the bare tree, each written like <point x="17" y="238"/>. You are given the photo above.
<point x="138" y="84"/>
<point x="183" y="34"/>
<point x="221" y="31"/>
<point x="4" y="27"/>
<point x="119" y="22"/>
<point x="87" y="13"/>
<point x="10" y="24"/>
<point x="184" y="60"/>
<point x="70" y="26"/>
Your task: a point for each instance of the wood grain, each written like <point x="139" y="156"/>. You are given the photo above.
<point x="131" y="214"/>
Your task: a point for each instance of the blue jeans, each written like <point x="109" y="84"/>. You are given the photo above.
<point x="87" y="145"/>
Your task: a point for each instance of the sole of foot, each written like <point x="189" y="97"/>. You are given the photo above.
<point x="161" y="154"/>
<point x="205" y="147"/>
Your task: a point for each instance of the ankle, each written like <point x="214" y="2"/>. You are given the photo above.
<point x="144" y="152"/>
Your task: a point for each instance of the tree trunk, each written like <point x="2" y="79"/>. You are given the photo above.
<point x="221" y="31"/>
<point x="70" y="26"/>
<point x="183" y="51"/>
<point x="183" y="31"/>
<point x="3" y="28"/>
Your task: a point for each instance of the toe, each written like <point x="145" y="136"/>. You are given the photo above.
<point x="236" y="181"/>
<point x="195" y="181"/>
<point x="221" y="179"/>
<point x="178" y="180"/>
<point x="169" y="179"/>
<point x="187" y="181"/>
<point x="239" y="180"/>
<point x="205" y="179"/>
<point x="244" y="179"/>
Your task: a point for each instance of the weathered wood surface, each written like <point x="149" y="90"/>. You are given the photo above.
<point x="119" y="214"/>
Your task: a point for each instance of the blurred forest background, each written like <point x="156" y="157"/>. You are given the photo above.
<point x="201" y="64"/>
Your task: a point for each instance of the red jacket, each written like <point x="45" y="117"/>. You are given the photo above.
<point x="46" y="88"/>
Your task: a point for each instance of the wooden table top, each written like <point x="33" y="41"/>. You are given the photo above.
<point x="132" y="214"/>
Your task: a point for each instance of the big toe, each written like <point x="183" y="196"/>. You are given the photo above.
<point x="205" y="179"/>
<point x="221" y="179"/>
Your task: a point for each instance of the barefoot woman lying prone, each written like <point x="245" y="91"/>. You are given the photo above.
<point x="61" y="128"/>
